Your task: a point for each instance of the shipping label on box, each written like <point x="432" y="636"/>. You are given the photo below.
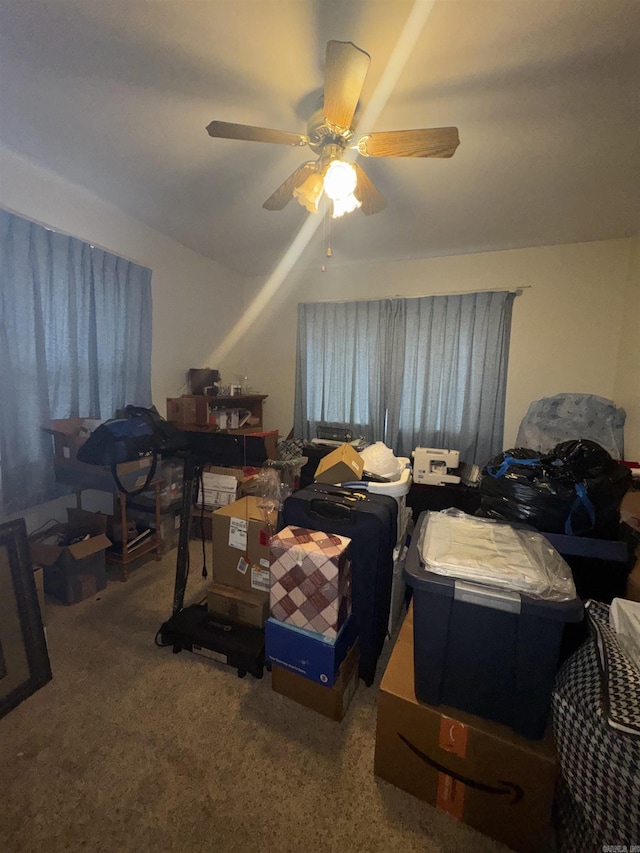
<point x="217" y="490"/>
<point x="238" y="534"/>
<point x="260" y="579"/>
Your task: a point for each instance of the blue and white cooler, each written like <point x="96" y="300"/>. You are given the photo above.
<point x="491" y="600"/>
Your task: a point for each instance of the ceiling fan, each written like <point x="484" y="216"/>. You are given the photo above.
<point x="330" y="133"/>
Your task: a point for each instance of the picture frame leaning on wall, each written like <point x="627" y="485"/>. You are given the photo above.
<point x="24" y="659"/>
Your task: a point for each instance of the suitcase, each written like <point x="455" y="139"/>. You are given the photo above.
<point x="196" y="630"/>
<point x="370" y="521"/>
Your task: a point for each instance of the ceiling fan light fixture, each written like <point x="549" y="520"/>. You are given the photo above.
<point x="310" y="192"/>
<point x="330" y="133"/>
<point x="340" y="180"/>
<point x="344" y="205"/>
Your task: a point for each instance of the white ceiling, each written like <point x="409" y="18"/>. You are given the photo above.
<point x="115" y="96"/>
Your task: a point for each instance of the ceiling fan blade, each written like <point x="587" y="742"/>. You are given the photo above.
<point x="345" y="72"/>
<point x="227" y="130"/>
<point x="283" y="195"/>
<point x="429" y="142"/>
<point x="366" y="193"/>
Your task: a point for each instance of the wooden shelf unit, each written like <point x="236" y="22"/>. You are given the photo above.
<point x="152" y="543"/>
<point x="82" y="477"/>
<point x="250" y="402"/>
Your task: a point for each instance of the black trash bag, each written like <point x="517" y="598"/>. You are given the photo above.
<point x="576" y="489"/>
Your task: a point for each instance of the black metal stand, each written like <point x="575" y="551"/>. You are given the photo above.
<point x="193" y="628"/>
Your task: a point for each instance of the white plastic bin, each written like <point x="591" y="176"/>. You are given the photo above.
<point x="398" y="489"/>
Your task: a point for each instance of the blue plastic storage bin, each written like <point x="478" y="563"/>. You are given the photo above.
<point x="483" y="650"/>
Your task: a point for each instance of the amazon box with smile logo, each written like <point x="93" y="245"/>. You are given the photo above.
<point x="480" y="772"/>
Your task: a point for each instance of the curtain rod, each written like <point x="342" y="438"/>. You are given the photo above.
<point x="517" y="292"/>
<point x="91" y="243"/>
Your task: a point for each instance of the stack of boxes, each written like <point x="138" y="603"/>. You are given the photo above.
<point x="218" y="486"/>
<point x="241" y="557"/>
<point x="464" y="703"/>
<point x="310" y="636"/>
<point x="304" y="579"/>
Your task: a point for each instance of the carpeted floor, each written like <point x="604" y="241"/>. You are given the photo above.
<point x="132" y="749"/>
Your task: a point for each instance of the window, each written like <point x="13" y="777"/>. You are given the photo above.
<point x="75" y="341"/>
<point x="429" y="371"/>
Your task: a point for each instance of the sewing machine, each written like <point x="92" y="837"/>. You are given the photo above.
<point x="430" y="465"/>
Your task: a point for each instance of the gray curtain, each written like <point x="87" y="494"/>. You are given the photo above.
<point x="428" y="371"/>
<point x="340" y="371"/>
<point x="75" y="341"/>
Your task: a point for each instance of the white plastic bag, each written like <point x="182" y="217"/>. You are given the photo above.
<point x="381" y="460"/>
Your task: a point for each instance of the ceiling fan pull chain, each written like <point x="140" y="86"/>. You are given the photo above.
<point x="326" y="238"/>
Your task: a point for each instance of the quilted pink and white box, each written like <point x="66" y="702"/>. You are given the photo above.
<point x="310" y="579"/>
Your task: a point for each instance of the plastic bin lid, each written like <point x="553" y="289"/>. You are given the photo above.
<point x="550" y="591"/>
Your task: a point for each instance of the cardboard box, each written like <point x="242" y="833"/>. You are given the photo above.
<point x="246" y="607"/>
<point x="310" y="579"/>
<point x="342" y="465"/>
<point x="68" y="435"/>
<point x="630" y="509"/>
<point x="202" y="524"/>
<point x="331" y="702"/>
<point x="188" y="409"/>
<point x="632" y="591"/>
<point x="241" y="554"/>
<point x="477" y="771"/>
<point x="219" y="486"/>
<point x="307" y="653"/>
<point x="80" y="475"/>
<point x="73" y="572"/>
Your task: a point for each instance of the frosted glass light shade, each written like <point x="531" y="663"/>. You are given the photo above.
<point x="340" y="180"/>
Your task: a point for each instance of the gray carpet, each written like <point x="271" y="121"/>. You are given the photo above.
<point x="133" y="748"/>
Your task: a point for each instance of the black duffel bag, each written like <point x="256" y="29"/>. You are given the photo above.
<point x="143" y="433"/>
<point x="168" y="438"/>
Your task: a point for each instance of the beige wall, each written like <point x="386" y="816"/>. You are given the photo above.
<point x="627" y="382"/>
<point x="566" y="330"/>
